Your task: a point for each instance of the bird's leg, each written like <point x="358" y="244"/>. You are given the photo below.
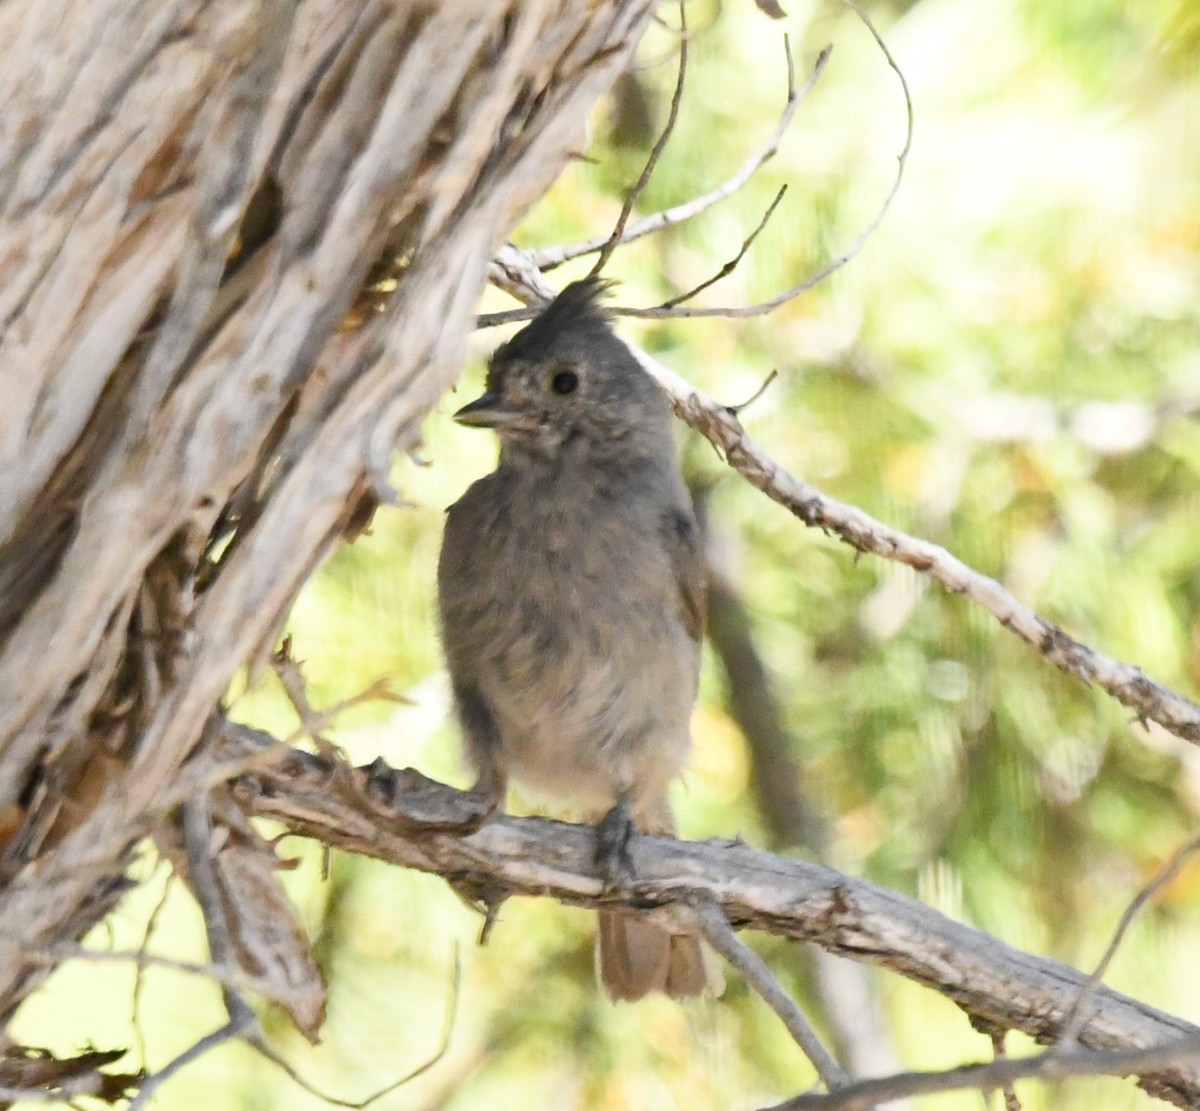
<point x="492" y="784"/>
<point x="484" y="746"/>
<point x="612" y="843"/>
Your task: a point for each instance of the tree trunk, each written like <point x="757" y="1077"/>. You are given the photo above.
<point x="241" y="246"/>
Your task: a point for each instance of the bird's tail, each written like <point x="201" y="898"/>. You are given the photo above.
<point x="635" y="957"/>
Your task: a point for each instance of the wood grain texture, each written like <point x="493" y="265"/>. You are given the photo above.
<point x="194" y="196"/>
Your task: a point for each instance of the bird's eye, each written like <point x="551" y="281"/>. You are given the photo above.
<point x="564" y="382"/>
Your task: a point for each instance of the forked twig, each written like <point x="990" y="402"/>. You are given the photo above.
<point x="314" y="722"/>
<point x="732" y="264"/>
<point x="741" y="311"/>
<point x="547" y="258"/>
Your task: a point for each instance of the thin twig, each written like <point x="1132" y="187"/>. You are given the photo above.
<point x="719" y="934"/>
<point x="1000" y="1053"/>
<point x="547" y="258"/>
<point x="1069" y="1035"/>
<point x="737" y="409"/>
<point x="258" y="1042"/>
<point x="506" y="316"/>
<point x="1051" y="1065"/>
<point x="742" y="311"/>
<point x="139" y="979"/>
<point x="732" y="264"/>
<point x="614" y="239"/>
<point x="197" y="837"/>
<point x="424" y="1067"/>
<point x="234" y="1028"/>
<point x="56" y="955"/>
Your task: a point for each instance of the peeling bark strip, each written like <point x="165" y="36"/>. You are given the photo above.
<point x="194" y="196"/>
<point x="404" y="818"/>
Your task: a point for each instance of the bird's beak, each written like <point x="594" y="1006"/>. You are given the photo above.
<point x="488" y="411"/>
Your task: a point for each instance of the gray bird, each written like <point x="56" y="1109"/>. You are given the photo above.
<point x="572" y="595"/>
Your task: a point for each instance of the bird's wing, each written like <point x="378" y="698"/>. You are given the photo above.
<point x="682" y="538"/>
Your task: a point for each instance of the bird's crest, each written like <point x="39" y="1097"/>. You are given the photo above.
<point x="576" y="309"/>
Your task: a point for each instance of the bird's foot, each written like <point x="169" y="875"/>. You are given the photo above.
<point x="613" y="835"/>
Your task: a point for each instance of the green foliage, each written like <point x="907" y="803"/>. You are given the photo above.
<point x="1009" y="369"/>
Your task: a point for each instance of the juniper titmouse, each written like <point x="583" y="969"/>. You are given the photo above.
<point x="572" y="596"/>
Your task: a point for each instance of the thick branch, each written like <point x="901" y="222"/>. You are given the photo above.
<point x="997" y="985"/>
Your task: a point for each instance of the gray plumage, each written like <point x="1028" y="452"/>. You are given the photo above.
<point x="571" y="591"/>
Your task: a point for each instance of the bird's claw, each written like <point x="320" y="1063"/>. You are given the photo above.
<point x="613" y="836"/>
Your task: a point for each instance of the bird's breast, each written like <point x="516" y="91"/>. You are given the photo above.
<point x="584" y="658"/>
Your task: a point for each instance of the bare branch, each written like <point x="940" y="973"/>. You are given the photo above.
<point x="547" y="258"/>
<point x="639" y="186"/>
<point x="846" y="992"/>
<point x="738" y="312"/>
<point x="1166" y="874"/>
<point x="721" y="937"/>
<point x="1148" y="699"/>
<point x="1054" y="1064"/>
<point x="197" y="837"/>
<point x="732" y="264"/>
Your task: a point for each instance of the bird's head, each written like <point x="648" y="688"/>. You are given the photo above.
<point x="564" y="377"/>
